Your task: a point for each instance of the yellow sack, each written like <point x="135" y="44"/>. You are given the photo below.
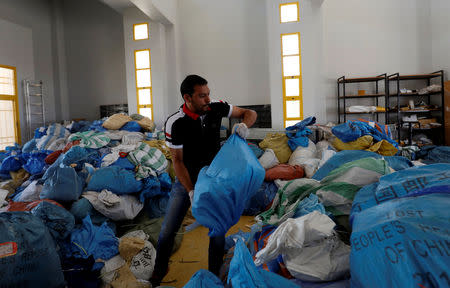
<point x="279" y="144"/>
<point x="362" y="143"/>
<point x="384" y="148"/>
<point x="146" y="124"/>
<point x="116" y="121"/>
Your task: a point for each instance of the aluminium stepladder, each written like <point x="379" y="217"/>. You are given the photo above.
<point x="34" y="106"/>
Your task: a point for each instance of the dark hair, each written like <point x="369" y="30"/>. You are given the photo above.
<point x="187" y="86"/>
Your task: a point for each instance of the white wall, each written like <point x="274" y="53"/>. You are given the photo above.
<point x="36" y="15"/>
<point x="440" y="23"/>
<point x="372" y="37"/>
<point x="95" y="63"/>
<point x="310" y="28"/>
<point x="158" y="53"/>
<point x="18" y="52"/>
<point x="226" y="42"/>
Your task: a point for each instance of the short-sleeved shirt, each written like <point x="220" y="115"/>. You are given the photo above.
<point x="198" y="136"/>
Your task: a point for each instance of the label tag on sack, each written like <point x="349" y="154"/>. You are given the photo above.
<point x="8" y="249"/>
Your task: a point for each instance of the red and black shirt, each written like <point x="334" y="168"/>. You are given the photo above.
<point x="198" y="136"/>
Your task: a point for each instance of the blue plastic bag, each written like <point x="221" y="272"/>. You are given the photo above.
<point x="124" y="163"/>
<point x="223" y="188"/>
<point x="63" y="185"/>
<point x="131" y="126"/>
<point x="298" y="133"/>
<point x="58" y="220"/>
<point x="402" y="243"/>
<point x="39" y="132"/>
<point x="243" y="272"/>
<point x="98" y="241"/>
<point x="261" y="200"/>
<point x="308" y="205"/>
<point x="36" y="163"/>
<point x="204" y="279"/>
<point x="11" y="163"/>
<point x="82" y="208"/>
<point x="28" y="253"/>
<point x="115" y="179"/>
<point x="29" y="146"/>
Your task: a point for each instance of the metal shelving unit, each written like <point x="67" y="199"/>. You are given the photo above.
<point x="396" y="78"/>
<point x="34" y="106"/>
<point x="343" y="96"/>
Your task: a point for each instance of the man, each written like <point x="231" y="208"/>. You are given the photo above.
<point x="193" y="135"/>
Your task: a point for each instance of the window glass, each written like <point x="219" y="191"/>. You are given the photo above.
<point x="291" y="66"/>
<point x="290" y="44"/>
<point x="147" y="112"/>
<point x="144" y="97"/>
<point x="143" y="78"/>
<point x="7" y="81"/>
<point x="292" y="87"/>
<point x="142" y="59"/>
<point x="293" y="109"/>
<point x="289" y="12"/>
<point x="141" y="31"/>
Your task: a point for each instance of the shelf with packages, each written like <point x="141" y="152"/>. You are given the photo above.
<point x="424" y="102"/>
<point x="378" y="91"/>
<point x="415" y="94"/>
<point x="372" y="112"/>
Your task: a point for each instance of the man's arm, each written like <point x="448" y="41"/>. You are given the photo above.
<point x="180" y="169"/>
<point x="248" y="116"/>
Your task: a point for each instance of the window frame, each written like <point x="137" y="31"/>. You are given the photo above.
<point x="15" y="99"/>
<point x="134" y="31"/>
<point x="298" y="11"/>
<point x="299" y="77"/>
<point x="139" y="106"/>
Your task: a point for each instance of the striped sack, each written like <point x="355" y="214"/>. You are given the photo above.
<point x="149" y="161"/>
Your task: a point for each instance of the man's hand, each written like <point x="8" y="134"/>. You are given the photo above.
<point x="191" y="196"/>
<point x="240" y="129"/>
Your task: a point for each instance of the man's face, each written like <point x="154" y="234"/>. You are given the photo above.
<point x="199" y="101"/>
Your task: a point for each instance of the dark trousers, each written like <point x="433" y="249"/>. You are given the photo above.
<point x="177" y="208"/>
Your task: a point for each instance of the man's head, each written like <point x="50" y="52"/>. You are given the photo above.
<point x="195" y="92"/>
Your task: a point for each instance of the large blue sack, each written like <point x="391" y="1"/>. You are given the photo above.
<point x="434" y="154"/>
<point x="82" y="208"/>
<point x="115" y="179"/>
<point x="204" y="279"/>
<point x="131" y="126"/>
<point x="223" y="188"/>
<point x="98" y="241"/>
<point x="262" y="199"/>
<point x="35" y="163"/>
<point x="58" y="220"/>
<point x="243" y="272"/>
<point x="63" y="184"/>
<point x="395" y="162"/>
<point x="298" y="133"/>
<point x="29" y="146"/>
<point x="11" y="163"/>
<point x="402" y="243"/>
<point x="399" y="184"/>
<point x="28" y="256"/>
